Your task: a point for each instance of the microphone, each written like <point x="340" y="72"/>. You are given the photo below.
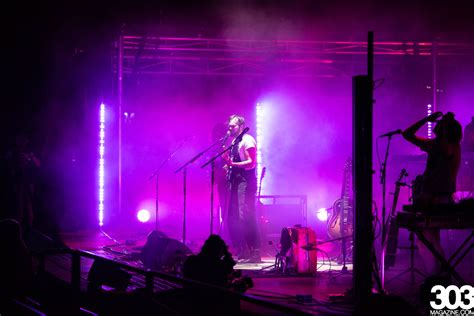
<point x="264" y="170"/>
<point x="239" y="138"/>
<point x="390" y="134"/>
<point x="226" y="136"/>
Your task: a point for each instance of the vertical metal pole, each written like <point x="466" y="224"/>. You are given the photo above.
<point x="362" y="180"/>
<point x="370" y="65"/>
<point x="76" y="279"/>
<point x="212" y="196"/>
<point x="184" y="205"/>
<point x="119" y="117"/>
<point x="149" y="282"/>
<point x="76" y="273"/>
<point x="156" y="202"/>
<point x="412" y="258"/>
<point x="305" y="211"/>
<point x="434" y="55"/>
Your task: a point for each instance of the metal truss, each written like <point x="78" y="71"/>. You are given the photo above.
<point x="205" y="56"/>
<point x="142" y="55"/>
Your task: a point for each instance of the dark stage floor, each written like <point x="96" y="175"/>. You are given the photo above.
<point x="325" y="286"/>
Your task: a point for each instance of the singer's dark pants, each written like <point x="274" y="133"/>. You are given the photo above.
<point x="242" y="221"/>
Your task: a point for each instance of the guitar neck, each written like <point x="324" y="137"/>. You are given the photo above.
<point x="345" y="191"/>
<point x="395" y="200"/>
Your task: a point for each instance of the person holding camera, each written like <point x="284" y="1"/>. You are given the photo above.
<point x="214" y="265"/>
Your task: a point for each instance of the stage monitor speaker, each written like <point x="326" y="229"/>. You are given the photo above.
<point x="107" y="273"/>
<point x="161" y="253"/>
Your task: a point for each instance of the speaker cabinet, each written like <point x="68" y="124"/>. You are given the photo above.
<point x="298" y="247"/>
<point x="277" y="211"/>
<point x="161" y="253"/>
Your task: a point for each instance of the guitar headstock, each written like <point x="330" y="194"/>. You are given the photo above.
<point x="403" y="173"/>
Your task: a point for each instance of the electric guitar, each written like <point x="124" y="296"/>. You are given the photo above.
<point x="341" y="222"/>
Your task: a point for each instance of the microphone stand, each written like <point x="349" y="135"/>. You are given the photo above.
<point x="383" y="182"/>
<point x="211" y="161"/>
<point x="155" y="175"/>
<point x="184" y="168"/>
<point x="236" y="141"/>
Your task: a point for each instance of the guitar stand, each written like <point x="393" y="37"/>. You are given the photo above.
<point x="278" y="266"/>
<point x="411" y="269"/>
<point x="344" y="269"/>
<point x="349" y="253"/>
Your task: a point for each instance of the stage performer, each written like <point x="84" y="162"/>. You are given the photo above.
<point x="242" y="179"/>
<point x="437" y="184"/>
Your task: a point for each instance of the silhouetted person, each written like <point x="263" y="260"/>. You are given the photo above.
<point x="16" y="265"/>
<point x="214" y="265"/>
<point x="437" y="185"/>
<point x="22" y="165"/>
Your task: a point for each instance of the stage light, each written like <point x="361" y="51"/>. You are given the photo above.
<point x="128" y="116"/>
<point x="430" y="124"/>
<point x="322" y="214"/>
<point x="143" y="216"/>
<point x="101" y="163"/>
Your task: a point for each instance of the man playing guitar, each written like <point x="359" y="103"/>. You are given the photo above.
<point x="241" y="219"/>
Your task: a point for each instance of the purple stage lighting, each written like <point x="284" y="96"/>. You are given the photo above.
<point x="143" y="216"/>
<point x="101" y="163"/>
<point x="430" y="125"/>
<point x="322" y="214"/>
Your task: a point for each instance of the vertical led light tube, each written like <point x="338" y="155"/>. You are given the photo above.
<point x="430" y="125"/>
<point x="259" y="121"/>
<point x="101" y="163"/>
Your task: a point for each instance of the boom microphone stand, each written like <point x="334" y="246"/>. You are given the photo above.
<point x="211" y="161"/>
<point x="383" y="182"/>
<point x="314" y="247"/>
<point x="184" y="168"/>
<point x="155" y="175"/>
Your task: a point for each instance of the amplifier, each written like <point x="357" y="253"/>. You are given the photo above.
<point x="294" y="247"/>
<point x="277" y="211"/>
